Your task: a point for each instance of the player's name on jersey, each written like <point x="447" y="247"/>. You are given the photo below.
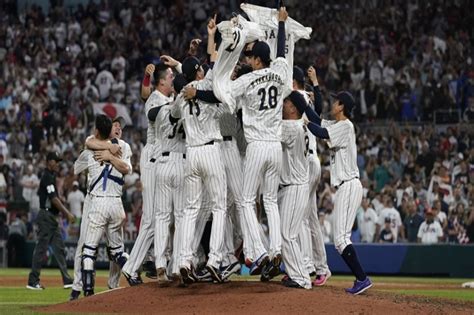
<point x="269" y="77"/>
<point x="271" y="34"/>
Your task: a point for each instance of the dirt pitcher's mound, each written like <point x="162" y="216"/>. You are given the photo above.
<point x="253" y="298"/>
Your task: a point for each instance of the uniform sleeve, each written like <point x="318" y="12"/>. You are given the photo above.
<point x="127" y="156"/>
<point x="50" y="187"/>
<point x="420" y="230"/>
<point x="280" y="66"/>
<point x="338" y="134"/>
<point x="239" y="86"/>
<point x="81" y="163"/>
<point x="175" y="110"/>
<point x="325" y="123"/>
<point x="288" y="133"/>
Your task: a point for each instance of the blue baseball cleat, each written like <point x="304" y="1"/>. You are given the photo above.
<point x="360" y="286"/>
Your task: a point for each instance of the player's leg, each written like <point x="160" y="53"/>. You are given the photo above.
<point x="77" y="283"/>
<point x="114" y="234"/>
<point x="163" y="213"/>
<point x="216" y="185"/>
<point x="193" y="189"/>
<point x="97" y="223"/>
<point x="253" y="167"/>
<point x="271" y="182"/>
<point x="45" y="230"/>
<point x="178" y="208"/>
<point x="59" y="252"/>
<point x="347" y="200"/>
<point x="318" y="248"/>
<point x="292" y="202"/>
<point x="147" y="224"/>
<point x="114" y="268"/>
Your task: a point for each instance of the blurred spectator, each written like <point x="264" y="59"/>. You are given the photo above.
<point x="75" y="199"/>
<point x="17" y="236"/>
<point x="386" y="235"/>
<point x="412" y="222"/>
<point x="367" y="219"/>
<point x="395" y="220"/>
<point x="30" y="184"/>
<point x="3" y="226"/>
<point x="326" y="228"/>
<point x="430" y="231"/>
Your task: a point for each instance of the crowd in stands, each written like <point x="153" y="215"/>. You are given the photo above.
<point x="403" y="61"/>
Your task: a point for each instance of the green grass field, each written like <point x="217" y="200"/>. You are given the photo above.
<point x="19" y="300"/>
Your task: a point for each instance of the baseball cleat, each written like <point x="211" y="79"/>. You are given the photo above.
<point x="227" y="271"/>
<point x="321" y="279"/>
<point x="203" y="275"/>
<point x="360" y="286"/>
<point x="259" y="264"/>
<point x="89" y="293"/>
<point x="272" y="269"/>
<point x="36" y="286"/>
<point x="292" y="284"/>
<point x="67" y="285"/>
<point x="74" y="295"/>
<point x="187" y="275"/>
<point x="162" y="277"/>
<point x="150" y="269"/>
<point x="132" y="281"/>
<point x="216" y="277"/>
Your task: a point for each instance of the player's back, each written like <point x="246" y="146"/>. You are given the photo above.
<point x="201" y="119"/>
<point x="261" y="95"/>
<point x="294" y="158"/>
<point x="169" y="132"/>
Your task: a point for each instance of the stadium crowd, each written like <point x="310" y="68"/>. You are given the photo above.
<point x="402" y="60"/>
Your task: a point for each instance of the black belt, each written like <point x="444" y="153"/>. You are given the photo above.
<point x="168" y="154"/>
<point x="209" y="143"/>
<point x="227" y="138"/>
<point x="345" y="181"/>
<point x="311" y="151"/>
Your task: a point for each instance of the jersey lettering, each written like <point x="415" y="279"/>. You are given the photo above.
<point x="192" y="103"/>
<point x="236" y="41"/>
<point x="272" y="97"/>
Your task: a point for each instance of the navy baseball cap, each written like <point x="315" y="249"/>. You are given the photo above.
<point x="346" y="99"/>
<point x="298" y="74"/>
<point x="259" y="49"/>
<point x="179" y="82"/>
<point x="53" y="156"/>
<point x="190" y="67"/>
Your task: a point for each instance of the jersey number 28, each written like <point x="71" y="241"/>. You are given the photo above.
<point x="272" y="98"/>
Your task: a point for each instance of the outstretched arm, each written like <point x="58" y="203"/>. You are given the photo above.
<point x="318" y="98"/>
<point x="282" y="16"/>
<point x="190" y="92"/>
<point x="145" y="90"/>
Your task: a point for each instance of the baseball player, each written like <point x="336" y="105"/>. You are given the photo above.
<point x="294" y="192"/>
<point x="261" y="95"/>
<point x="204" y="169"/>
<point x="162" y="95"/>
<point x="311" y="236"/>
<point x="340" y="136"/>
<point x="169" y="179"/>
<point x="79" y="166"/>
<point x="106" y="211"/>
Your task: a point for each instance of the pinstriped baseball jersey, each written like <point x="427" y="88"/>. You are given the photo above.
<point x="343" y="150"/>
<point x="311" y="138"/>
<point x="155" y="99"/>
<point x="106" y="186"/>
<point x="201" y="120"/>
<point x="235" y="34"/>
<point x="229" y="124"/>
<point x="294" y="160"/>
<point x="169" y="134"/>
<point x="262" y="93"/>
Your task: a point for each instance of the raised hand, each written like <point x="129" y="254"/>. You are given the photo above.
<point x="169" y="61"/>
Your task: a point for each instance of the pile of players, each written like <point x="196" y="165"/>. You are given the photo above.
<point x="226" y="140"/>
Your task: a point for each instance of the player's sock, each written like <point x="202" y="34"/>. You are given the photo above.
<point x="350" y="257"/>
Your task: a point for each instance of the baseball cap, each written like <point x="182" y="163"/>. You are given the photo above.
<point x="190" y="67"/>
<point x="298" y="74"/>
<point x="259" y="49"/>
<point x="119" y="119"/>
<point x="53" y="156"/>
<point x="346" y="99"/>
<point x="179" y="82"/>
